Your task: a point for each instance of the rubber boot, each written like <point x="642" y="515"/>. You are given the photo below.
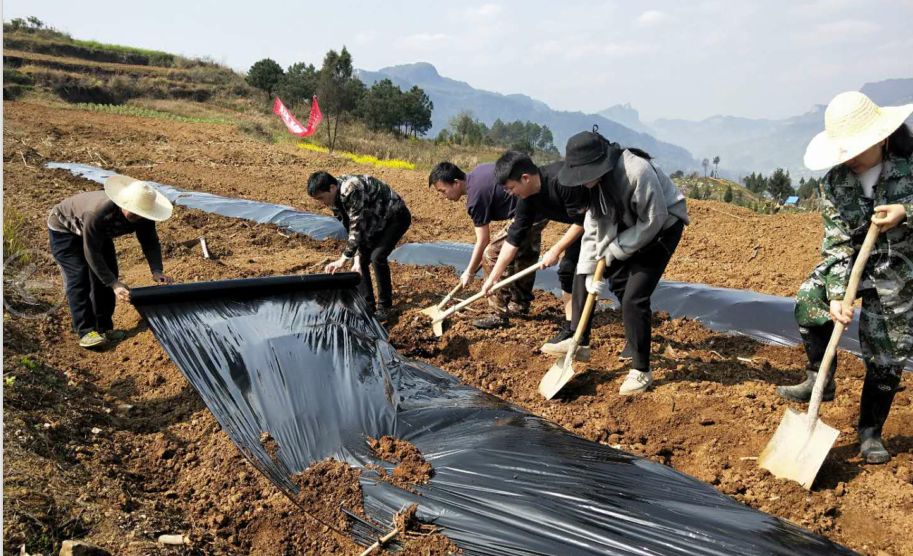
<point x="815" y="341"/>
<point x="874" y="406"/>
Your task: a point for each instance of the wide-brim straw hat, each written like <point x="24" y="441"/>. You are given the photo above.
<point x="852" y="124"/>
<point x="138" y="197"/>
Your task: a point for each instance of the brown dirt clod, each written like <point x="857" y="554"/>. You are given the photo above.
<point x="411" y="467"/>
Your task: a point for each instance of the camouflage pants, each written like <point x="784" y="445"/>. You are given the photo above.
<point x="885" y="324"/>
<point x="521" y="291"/>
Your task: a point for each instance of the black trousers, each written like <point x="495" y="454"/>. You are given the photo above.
<point x="375" y="255"/>
<point x="567" y="267"/>
<point x="633" y="281"/>
<point x="91" y="302"/>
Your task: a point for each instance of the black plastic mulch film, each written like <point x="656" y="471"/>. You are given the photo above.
<point x="313" y="225"/>
<point x="298" y="357"/>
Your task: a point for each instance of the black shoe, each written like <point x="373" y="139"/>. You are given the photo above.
<point x="564" y="332"/>
<point x="383" y="314"/>
<point x="871" y="447"/>
<point x="802" y="392"/>
<point x="490" y="322"/>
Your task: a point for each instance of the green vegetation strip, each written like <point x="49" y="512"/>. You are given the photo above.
<point x="127" y="110"/>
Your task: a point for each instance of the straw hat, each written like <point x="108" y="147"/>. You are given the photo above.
<point x="852" y="124"/>
<point x="138" y="197"/>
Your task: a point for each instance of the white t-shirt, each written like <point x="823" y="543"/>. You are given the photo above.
<point x="869" y="178"/>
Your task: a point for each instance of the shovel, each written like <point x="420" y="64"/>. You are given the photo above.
<point x="435" y="310"/>
<point x="438" y="316"/>
<point x="802" y="441"/>
<point x="563" y="369"/>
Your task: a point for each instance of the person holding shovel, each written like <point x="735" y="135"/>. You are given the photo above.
<point x="487" y="202"/>
<point x="82" y="229"/>
<point x="540" y="199"/>
<point x="869" y="151"/>
<point x="376" y="218"/>
<point x="635" y="220"/>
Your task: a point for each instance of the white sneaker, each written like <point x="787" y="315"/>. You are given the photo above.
<point x="560" y="348"/>
<point x="636" y="382"/>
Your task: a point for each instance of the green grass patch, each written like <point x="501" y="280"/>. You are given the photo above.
<point x="15" y="244"/>
<point x="128" y="110"/>
<point x="156" y="57"/>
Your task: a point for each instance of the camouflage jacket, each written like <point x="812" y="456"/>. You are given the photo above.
<point x="364" y="204"/>
<point x="847" y="214"/>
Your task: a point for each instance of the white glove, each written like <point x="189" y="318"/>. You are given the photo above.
<point x="600" y="288"/>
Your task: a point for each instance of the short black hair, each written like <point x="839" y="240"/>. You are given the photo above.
<point x="447" y="172"/>
<point x="320" y="182"/>
<point x="512" y="165"/>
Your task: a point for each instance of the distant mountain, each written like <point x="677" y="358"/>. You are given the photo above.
<point x="626" y="115"/>
<point x="450" y="97"/>
<point x="747" y="145"/>
<point x="890" y="92"/>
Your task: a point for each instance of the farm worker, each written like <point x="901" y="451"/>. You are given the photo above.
<point x="376" y="218"/>
<point x="82" y="229"/>
<point x="487" y="202"/>
<point x="635" y="220"/>
<point x="869" y="151"/>
<point x="540" y="199"/>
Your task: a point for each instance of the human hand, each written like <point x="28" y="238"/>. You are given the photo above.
<point x="486" y="288"/>
<point x="888" y="216"/>
<point x="335" y="266"/>
<point x="550" y="258"/>
<point x="356" y="266"/>
<point x="466" y="278"/>
<point x="600" y="287"/>
<point x="841" y="314"/>
<point x="121" y="291"/>
<point x="162" y="278"/>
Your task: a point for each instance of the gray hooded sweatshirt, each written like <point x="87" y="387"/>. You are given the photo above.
<point x="651" y="203"/>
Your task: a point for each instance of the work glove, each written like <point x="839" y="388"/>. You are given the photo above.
<point x="600" y="288"/>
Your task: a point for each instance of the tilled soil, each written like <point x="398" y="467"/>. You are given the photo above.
<point x="115" y="446"/>
<point x="411" y="468"/>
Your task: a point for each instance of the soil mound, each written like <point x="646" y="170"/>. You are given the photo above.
<point x="411" y="468"/>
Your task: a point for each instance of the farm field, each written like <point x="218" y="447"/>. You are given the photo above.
<point x="117" y="448"/>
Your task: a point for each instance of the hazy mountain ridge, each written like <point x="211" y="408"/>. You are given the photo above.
<point x="747" y="145"/>
<point x="450" y="97"/>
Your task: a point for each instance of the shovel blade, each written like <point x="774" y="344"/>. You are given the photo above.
<point x="795" y="453"/>
<point x="438" y="328"/>
<point x="554" y="380"/>
<point x="432" y="311"/>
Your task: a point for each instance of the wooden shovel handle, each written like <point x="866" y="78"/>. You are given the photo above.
<point x="855" y="277"/>
<point x="507" y="281"/>
<point x="449" y="296"/>
<point x="590" y="303"/>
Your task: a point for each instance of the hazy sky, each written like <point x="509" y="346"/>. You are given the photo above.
<point x="685" y="59"/>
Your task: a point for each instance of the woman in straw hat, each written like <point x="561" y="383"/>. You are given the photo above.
<point x="869" y="151"/>
<point x="82" y="229"/>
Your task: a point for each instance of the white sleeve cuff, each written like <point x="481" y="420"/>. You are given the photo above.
<point x="586" y="267"/>
<point x="616" y="251"/>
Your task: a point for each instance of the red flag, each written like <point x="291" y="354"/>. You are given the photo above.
<point x="292" y="124"/>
